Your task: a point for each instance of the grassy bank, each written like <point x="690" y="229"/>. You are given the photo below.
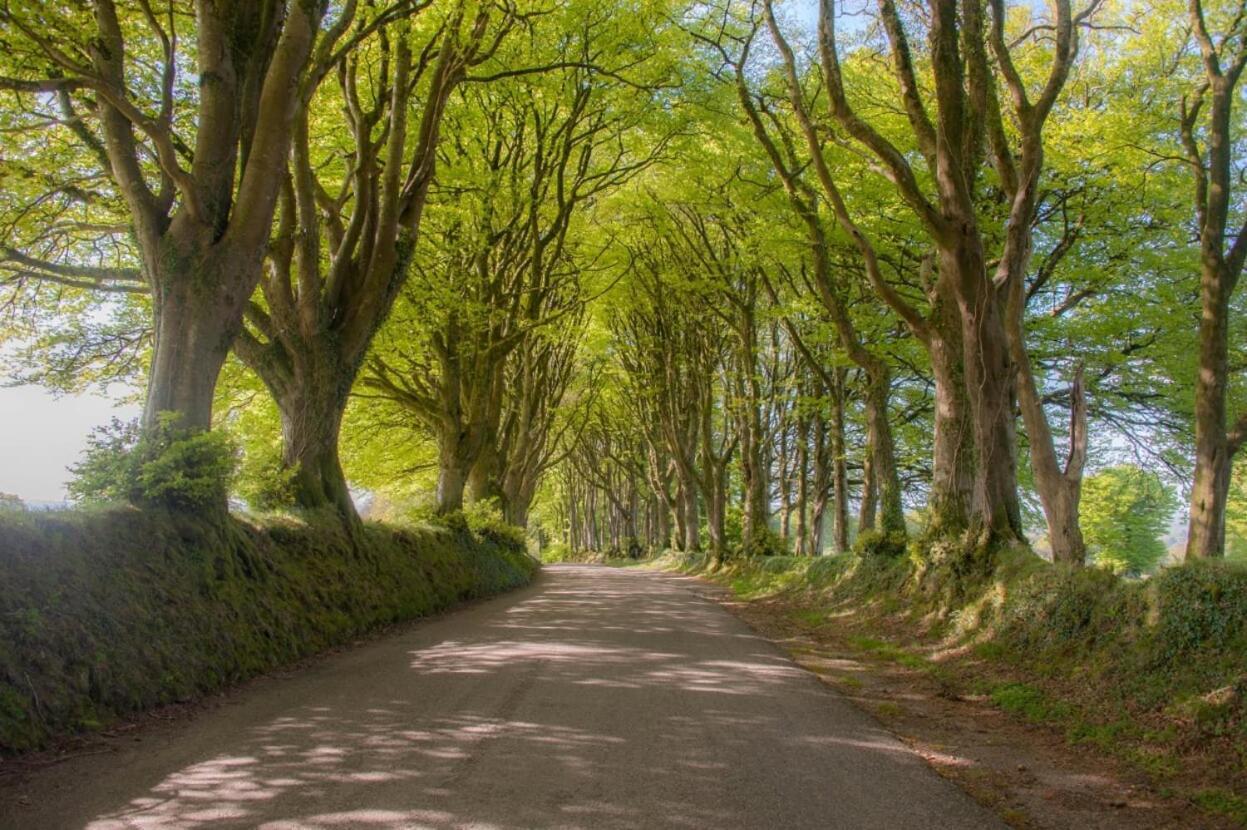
<point x="105" y="613"/>
<point x="1152" y="672"/>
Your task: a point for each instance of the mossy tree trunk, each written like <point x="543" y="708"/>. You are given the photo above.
<point x="1208" y="114"/>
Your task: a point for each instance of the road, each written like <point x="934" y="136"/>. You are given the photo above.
<point x="595" y="698"/>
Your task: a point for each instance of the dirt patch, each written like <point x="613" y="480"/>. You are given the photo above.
<point x="1031" y="775"/>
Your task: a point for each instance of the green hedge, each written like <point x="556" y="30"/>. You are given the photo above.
<point x="1173" y="645"/>
<point x="109" y="612"/>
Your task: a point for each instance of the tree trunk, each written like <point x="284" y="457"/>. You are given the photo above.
<point x="952" y="475"/>
<point x="451" y="480"/>
<point x="692" y="520"/>
<point x="840" y="470"/>
<point x="803" y="486"/>
<point x="1059" y="490"/>
<point x="989" y="378"/>
<point x="1213" y="452"/>
<point x="192" y="340"/>
<point x="886" y="475"/>
<point x="310" y="424"/>
<point x="867" y="508"/>
<point x="754" y="479"/>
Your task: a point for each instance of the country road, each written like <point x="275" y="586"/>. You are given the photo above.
<point x="595" y="698"/>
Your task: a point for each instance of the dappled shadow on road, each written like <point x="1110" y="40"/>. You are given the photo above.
<point x="606" y="699"/>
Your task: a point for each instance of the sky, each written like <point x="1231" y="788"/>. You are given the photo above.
<point x="41" y="435"/>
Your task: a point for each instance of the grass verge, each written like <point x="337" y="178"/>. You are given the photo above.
<point x="1151" y="672"/>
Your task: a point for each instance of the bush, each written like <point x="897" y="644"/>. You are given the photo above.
<point x="165" y="466"/>
<point x="482" y="520"/>
<point x="1202" y="608"/>
<point x="485" y="521"/>
<point x="765" y="542"/>
<point x="556" y="552"/>
<point x="264" y="481"/>
<point x="872" y="543"/>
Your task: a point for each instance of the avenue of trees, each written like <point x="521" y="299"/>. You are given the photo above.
<point x="736" y="276"/>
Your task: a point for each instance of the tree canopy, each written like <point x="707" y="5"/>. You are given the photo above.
<point x="744" y="275"/>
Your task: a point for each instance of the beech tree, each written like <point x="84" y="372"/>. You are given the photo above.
<point x="188" y="161"/>
<point x="1209" y="129"/>
<point x="343" y="247"/>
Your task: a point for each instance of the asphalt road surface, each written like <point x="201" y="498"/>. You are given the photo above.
<point x="595" y="698"/>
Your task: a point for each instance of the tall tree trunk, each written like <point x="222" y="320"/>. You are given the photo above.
<point x="989" y="382"/>
<point x="840" y="469"/>
<point x="953" y="455"/>
<point x="803" y="487"/>
<point x="867" y="508"/>
<point x="1213" y="453"/>
<point x="1222" y="258"/>
<point x="310" y="424"/>
<point x="692" y="520"/>
<point x="1059" y="490"/>
<point x="886" y="475"/>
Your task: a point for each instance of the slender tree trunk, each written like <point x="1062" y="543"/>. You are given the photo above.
<point x="867" y="507"/>
<point x="754" y="480"/>
<point x="840" y="470"/>
<point x="1222" y="258"/>
<point x="692" y="520"/>
<point x="822" y="483"/>
<point x="1214" y="453"/>
<point x="886" y="475"/>
<point x="803" y="486"/>
<point x="1211" y="485"/>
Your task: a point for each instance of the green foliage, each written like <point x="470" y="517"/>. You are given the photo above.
<point x="485" y="520"/>
<point x="165" y="466"/>
<point x="264" y="481"/>
<point x="1201" y="609"/>
<point x="556" y="552"/>
<point x="1125" y="512"/>
<point x="1029" y="702"/>
<point x="153" y="606"/>
<point x="11" y="503"/>
<point x="765" y="543"/>
<point x="1223" y="802"/>
<point x="876" y="543"/>
<point x="1061" y="607"/>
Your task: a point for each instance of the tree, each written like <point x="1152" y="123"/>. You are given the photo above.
<point x="1207" y="113"/>
<point x="1125" y="513"/>
<point x="193" y="178"/>
<point x="968" y="121"/>
<point x="341" y="252"/>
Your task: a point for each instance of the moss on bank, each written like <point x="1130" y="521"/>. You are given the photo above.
<point x="110" y="612"/>
<point x="1153" y="672"/>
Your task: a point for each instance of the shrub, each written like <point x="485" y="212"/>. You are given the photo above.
<point x="485" y="520"/>
<point x="556" y="552"/>
<point x="165" y="466"/>
<point x="765" y="542"/>
<point x="872" y="543"/>
<point x="1202" y="606"/>
<point x="264" y="481"/>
